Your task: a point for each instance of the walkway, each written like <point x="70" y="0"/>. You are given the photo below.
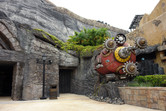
<point x="66" y="102"/>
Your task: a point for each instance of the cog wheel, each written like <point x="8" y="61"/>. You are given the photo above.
<point x="130" y="69"/>
<point x="110" y="44"/>
<point x="140" y="42"/>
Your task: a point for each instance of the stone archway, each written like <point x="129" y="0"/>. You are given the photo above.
<point x="11" y="55"/>
<point x="14" y="44"/>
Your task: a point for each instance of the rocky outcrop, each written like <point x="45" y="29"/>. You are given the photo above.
<point x="44" y="15"/>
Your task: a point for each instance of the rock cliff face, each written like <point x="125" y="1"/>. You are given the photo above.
<point x="44" y="15"/>
<point x="22" y="48"/>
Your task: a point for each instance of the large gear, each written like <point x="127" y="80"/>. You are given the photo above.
<point x="110" y="44"/>
<point x="130" y="69"/>
<point x="140" y="42"/>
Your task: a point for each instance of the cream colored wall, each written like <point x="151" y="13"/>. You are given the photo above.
<point x="157" y="11"/>
<point x="148" y="26"/>
<point x="151" y="31"/>
<point x="158" y="60"/>
<point x="153" y="28"/>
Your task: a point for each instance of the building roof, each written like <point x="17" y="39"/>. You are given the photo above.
<point x="135" y="22"/>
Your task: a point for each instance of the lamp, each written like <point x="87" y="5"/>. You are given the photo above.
<point x="44" y="57"/>
<point x="43" y="94"/>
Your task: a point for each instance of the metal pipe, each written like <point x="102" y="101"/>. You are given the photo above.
<point x="125" y="51"/>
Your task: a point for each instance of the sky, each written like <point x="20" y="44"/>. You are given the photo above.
<point x="117" y="13"/>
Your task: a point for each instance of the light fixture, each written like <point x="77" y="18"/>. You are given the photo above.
<point x="44" y="57"/>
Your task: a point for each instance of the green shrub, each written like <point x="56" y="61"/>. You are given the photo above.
<point x="154" y="80"/>
<point x="136" y="84"/>
<point x="89" y="37"/>
<point x="164" y="83"/>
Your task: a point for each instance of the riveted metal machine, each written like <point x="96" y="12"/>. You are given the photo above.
<point x="118" y="59"/>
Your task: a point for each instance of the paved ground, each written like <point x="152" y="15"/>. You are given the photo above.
<point x="66" y="102"/>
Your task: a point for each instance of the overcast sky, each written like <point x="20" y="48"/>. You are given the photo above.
<point x="117" y="13"/>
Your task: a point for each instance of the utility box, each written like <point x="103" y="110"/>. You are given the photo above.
<point x="53" y="92"/>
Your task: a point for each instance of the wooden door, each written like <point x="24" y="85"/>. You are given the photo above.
<point x="65" y="80"/>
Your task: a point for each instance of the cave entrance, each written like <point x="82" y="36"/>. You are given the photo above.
<point x="147" y="66"/>
<point x="65" y="80"/>
<point x="6" y="73"/>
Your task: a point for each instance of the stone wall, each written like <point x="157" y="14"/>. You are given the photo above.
<point x="150" y="97"/>
<point x="35" y="48"/>
<point x="32" y="87"/>
<point x="26" y="55"/>
<point x="12" y="54"/>
<point x="7" y="28"/>
<point x="85" y="76"/>
<point x="78" y="85"/>
<point x="68" y="60"/>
